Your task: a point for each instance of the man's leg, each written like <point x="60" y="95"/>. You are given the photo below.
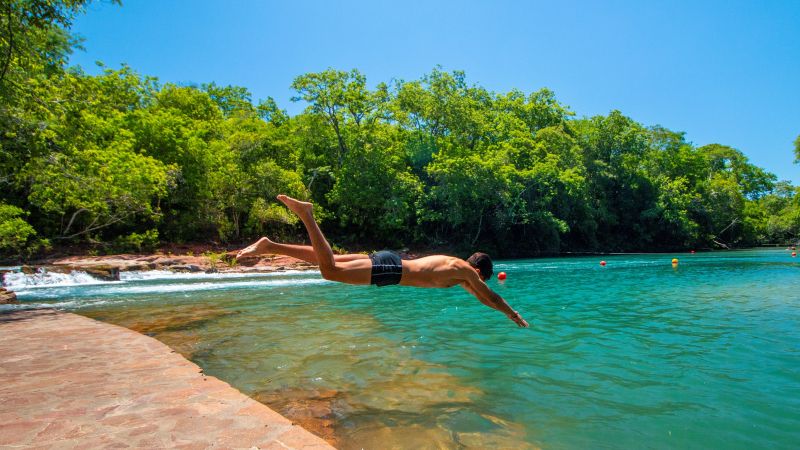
<point x="357" y="271"/>
<point x="304" y="252"/>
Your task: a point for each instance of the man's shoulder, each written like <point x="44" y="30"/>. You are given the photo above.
<point x="461" y="266"/>
<point x="451" y="260"/>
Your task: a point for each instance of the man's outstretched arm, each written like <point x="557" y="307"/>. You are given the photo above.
<point x="475" y="286"/>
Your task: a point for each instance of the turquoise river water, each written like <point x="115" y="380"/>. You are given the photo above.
<point x="637" y="354"/>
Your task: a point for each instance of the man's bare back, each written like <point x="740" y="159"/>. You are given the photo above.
<point x="436" y="271"/>
<point x="383" y="268"/>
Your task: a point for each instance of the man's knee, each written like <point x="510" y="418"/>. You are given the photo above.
<point x="329" y="272"/>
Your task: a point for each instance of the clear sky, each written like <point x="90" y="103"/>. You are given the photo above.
<point x="721" y="71"/>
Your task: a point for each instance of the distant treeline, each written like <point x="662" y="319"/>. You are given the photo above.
<point x="122" y="162"/>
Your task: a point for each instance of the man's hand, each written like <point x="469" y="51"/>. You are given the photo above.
<point x="518" y="319"/>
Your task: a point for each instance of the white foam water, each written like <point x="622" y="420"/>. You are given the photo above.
<point x="17" y="281"/>
<point x="92" y="293"/>
<point x="52" y="286"/>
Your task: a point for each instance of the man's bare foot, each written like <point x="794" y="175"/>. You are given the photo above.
<point x="296" y="206"/>
<point x="259" y="247"/>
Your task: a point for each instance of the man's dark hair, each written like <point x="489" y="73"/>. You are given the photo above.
<point x="482" y="262"/>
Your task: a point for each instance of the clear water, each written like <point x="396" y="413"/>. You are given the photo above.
<point x="637" y="354"/>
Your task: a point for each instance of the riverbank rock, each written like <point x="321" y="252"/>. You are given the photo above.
<point x="7" y="297"/>
<point x="141" y="267"/>
<point x="107" y="267"/>
<point x="185" y="268"/>
<point x="103" y="272"/>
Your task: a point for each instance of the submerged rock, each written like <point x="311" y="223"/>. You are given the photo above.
<point x="312" y="409"/>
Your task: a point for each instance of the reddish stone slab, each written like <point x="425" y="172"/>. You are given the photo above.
<point x="67" y="381"/>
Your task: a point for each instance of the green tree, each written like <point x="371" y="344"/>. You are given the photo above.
<point x="342" y="99"/>
<point x="374" y="194"/>
<point x="95" y="188"/>
<point x="177" y="127"/>
<point x="34" y="41"/>
<point x="230" y="99"/>
<point x="15" y="233"/>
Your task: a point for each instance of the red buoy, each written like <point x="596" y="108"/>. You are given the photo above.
<point x="501" y="276"/>
<point x="692" y="252"/>
<point x="794" y="254"/>
<point x="603" y="263"/>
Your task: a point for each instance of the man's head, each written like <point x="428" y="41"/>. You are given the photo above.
<point x="483" y="263"/>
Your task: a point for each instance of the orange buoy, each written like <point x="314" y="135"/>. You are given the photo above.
<point x="501" y="276"/>
<point x="603" y="263"/>
<point x="674" y="260"/>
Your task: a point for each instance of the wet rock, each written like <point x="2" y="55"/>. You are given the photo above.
<point x="166" y="261"/>
<point x="28" y="270"/>
<point x="185" y="268"/>
<point x="60" y="268"/>
<point x="7" y="297"/>
<point x="103" y="272"/>
<point x="248" y="261"/>
<point x="254" y="269"/>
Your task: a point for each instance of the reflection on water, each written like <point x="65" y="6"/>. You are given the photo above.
<point x="636" y="354"/>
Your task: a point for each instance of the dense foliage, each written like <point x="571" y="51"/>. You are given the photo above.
<point x="122" y="160"/>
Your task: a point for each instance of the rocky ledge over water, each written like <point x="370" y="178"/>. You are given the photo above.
<point x="108" y="267"/>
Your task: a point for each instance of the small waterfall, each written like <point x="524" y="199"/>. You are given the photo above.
<point x="18" y="280"/>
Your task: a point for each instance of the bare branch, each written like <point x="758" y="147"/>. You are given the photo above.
<point x="74" y="215"/>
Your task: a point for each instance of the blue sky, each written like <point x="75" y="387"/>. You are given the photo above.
<point x="721" y="71"/>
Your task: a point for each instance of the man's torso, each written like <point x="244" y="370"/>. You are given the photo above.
<point x="436" y="271"/>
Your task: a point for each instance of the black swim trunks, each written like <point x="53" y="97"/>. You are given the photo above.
<point x="387" y="268"/>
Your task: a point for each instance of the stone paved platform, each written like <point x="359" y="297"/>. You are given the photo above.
<point x="67" y="381"/>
